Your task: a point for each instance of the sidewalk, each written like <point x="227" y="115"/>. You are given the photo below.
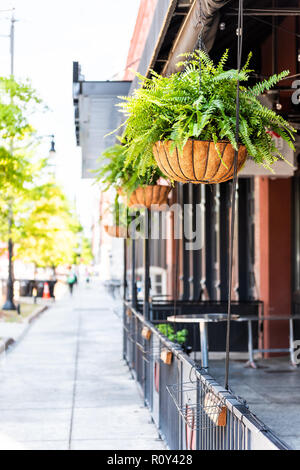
<point x="65" y="385"/>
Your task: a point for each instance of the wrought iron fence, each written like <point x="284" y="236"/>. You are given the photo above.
<point x="190" y="409"/>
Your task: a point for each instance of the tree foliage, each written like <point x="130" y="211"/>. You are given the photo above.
<point x="45" y="231"/>
<point x="34" y="212"/>
<point x="17" y="102"/>
<point x="83" y="251"/>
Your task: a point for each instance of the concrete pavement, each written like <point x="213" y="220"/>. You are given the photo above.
<point x="65" y="385"/>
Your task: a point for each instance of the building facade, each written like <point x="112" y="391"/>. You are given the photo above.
<point x="266" y="246"/>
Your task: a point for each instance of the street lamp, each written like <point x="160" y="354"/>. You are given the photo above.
<point x="51" y="156"/>
<point x="9" y="303"/>
<point x="52" y="150"/>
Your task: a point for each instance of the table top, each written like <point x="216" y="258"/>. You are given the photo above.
<point x="217" y="317"/>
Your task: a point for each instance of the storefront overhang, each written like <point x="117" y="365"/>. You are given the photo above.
<point x="175" y="29"/>
<point x="96" y="115"/>
<point x="191" y="28"/>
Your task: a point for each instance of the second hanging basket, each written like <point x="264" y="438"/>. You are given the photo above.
<point x="148" y="196"/>
<point x="116" y="231"/>
<point x="199" y="161"/>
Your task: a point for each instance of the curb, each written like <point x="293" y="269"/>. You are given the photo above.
<point x="5" y="343"/>
<point x="36" y="314"/>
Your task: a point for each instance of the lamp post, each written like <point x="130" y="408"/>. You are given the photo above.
<point x="52" y="152"/>
<point x="9" y="303"/>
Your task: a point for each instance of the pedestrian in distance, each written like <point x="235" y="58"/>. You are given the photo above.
<point x="87" y="277"/>
<point x="71" y="279"/>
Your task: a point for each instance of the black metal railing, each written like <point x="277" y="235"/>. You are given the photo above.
<point x="211" y="418"/>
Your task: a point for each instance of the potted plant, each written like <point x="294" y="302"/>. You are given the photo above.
<point x="116" y="231"/>
<point x="140" y="183"/>
<point x="188" y="120"/>
<point x="179" y="336"/>
<point x="119" y="227"/>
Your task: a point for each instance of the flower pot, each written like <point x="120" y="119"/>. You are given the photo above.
<point x="116" y="231"/>
<point x="199" y="161"/>
<point x="148" y="196"/>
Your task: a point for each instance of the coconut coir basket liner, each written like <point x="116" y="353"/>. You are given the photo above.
<point x="199" y="161"/>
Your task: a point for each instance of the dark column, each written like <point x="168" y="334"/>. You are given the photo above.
<point x="133" y="282"/>
<point x="147" y="263"/>
<point x="204" y="291"/>
<point x="191" y="216"/>
<point x="210" y="242"/>
<point x="246" y="251"/>
<point x="224" y="216"/>
<point x="197" y="253"/>
<point x="185" y="253"/>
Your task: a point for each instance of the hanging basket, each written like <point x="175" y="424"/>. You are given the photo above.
<point x="148" y="196"/>
<point x="116" y="231"/>
<point x="199" y="161"/>
<point x="200" y="409"/>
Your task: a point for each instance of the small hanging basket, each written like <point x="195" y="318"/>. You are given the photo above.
<point x="148" y="196"/>
<point x="199" y="161"/>
<point x="116" y="231"/>
<point x="207" y="413"/>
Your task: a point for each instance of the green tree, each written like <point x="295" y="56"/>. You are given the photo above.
<point x="45" y="230"/>
<point x="17" y="102"/>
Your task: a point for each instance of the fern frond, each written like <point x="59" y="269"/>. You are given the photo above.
<point x="267" y="84"/>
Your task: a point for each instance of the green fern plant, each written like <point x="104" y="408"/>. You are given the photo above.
<point x="181" y="107"/>
<point x="115" y="172"/>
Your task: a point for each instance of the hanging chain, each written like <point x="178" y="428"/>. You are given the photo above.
<point x="234" y="185"/>
<point x="200" y="41"/>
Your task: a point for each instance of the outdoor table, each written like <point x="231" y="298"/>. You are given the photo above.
<point x="205" y="318"/>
